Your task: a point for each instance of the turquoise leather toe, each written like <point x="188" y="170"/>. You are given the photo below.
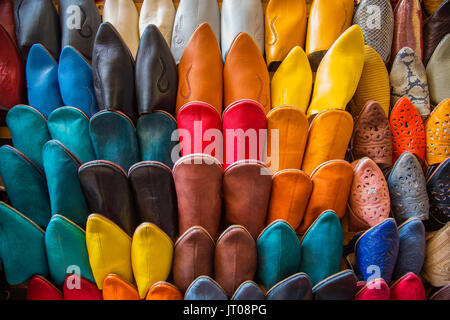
<point x="154" y="132"/>
<point x="376" y="251"/>
<point x="66" y="195"/>
<point x="278" y="253"/>
<point x="321" y="247"/>
<point x="42" y="80"/>
<point x="29" y="132"/>
<point x="75" y="81"/>
<point x="114" y="138"/>
<point x="65" y="243"/>
<point x="22" y="247"/>
<point x="71" y="126"/>
<point x="295" y="287"/>
<point x="26" y="185"/>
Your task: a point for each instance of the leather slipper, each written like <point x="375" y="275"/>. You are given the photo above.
<point x="161" y="14"/>
<point x="295" y="287"/>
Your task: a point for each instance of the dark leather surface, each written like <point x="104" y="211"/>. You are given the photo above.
<point x="156" y="73"/>
<point x="154" y="195"/>
<point x="248" y="290"/>
<point x="411" y="253"/>
<point x="7" y="18"/>
<point x="441" y="294"/>
<point x="205" y="288"/>
<point x="106" y="190"/>
<point x="438" y="187"/>
<point x="235" y="258"/>
<point x="81" y="36"/>
<point x="193" y="257"/>
<point x="340" y="286"/>
<point x="113" y="72"/>
<point x="435" y="28"/>
<point x="296" y="287"/>
<point x="37" y="22"/>
<point x="376" y="251"/>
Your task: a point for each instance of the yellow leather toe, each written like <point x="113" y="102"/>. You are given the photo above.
<point x="292" y="82"/>
<point x="339" y="72"/>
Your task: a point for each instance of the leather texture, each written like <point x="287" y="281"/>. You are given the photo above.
<point x="156" y="73"/>
<point x="289" y="142"/>
<point x="329" y="135"/>
<point x="431" y="5"/>
<point x="151" y="256"/>
<point x="248" y="290"/>
<point x="408" y="28"/>
<point x="21" y="177"/>
<point x="369" y="202"/>
<point x="377" y="250"/>
<point x="295" y="287"/>
<point x="442" y="294"/>
<point x="439" y="196"/>
<point x="79" y="20"/>
<point x="205" y="288"/>
<point x="437" y="71"/>
<point x="42" y="76"/>
<point x="124" y="16"/>
<point x="154" y="195"/>
<point x="22" y="246"/>
<point x="411" y="253"/>
<point x="291" y="84"/>
<point x="113" y="136"/>
<point x="321" y="247"/>
<point x="376" y="18"/>
<point x="291" y="189"/>
<point x="246" y="191"/>
<point x="40" y="288"/>
<point x="437" y="137"/>
<point x="407" y="189"/>
<point x="64" y="188"/>
<point x="376" y="289"/>
<point x="435" y="28"/>
<point x="437" y="259"/>
<point x="86" y="291"/>
<point x="161" y="14"/>
<point x="372" y="135"/>
<point x="76" y="82"/>
<point x="190" y="14"/>
<point x="37" y="22"/>
<point x="241" y="16"/>
<point x="106" y="190"/>
<point x="109" y="249"/>
<point x="327" y="21"/>
<point x="154" y="132"/>
<point x="193" y="257"/>
<point x="29" y="132"/>
<point x="245" y="74"/>
<point x="65" y="245"/>
<point x="198" y="183"/>
<point x="339" y="72"/>
<point x="7" y="18"/>
<point x="278" y="253"/>
<point x="340" y="286"/>
<point x="408" y="79"/>
<point x="409" y="287"/>
<point x="373" y="84"/>
<point x="198" y="123"/>
<point x="408" y="130"/>
<point x="117" y="288"/>
<point x="241" y="119"/>
<point x="235" y="258"/>
<point x="13" y="80"/>
<point x="200" y="70"/>
<point x="163" y="291"/>
<point x="285" y="28"/>
<point x="331" y="185"/>
<point x="113" y="71"/>
<point x="71" y="127"/>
